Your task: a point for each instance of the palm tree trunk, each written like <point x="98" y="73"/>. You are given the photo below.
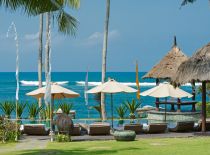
<point x="47" y="52"/>
<point x="104" y="55"/>
<point x="40" y="56"/>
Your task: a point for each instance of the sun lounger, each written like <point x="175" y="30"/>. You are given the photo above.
<point x="138" y="128"/>
<point x="99" y="128"/>
<point x="199" y="126"/>
<point x="156" y="128"/>
<point x="76" y="130"/>
<point x="35" y="129"/>
<point x="183" y="127"/>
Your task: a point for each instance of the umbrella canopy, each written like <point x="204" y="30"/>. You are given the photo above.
<point x="168" y="66"/>
<point x="57" y="92"/>
<point x="166" y="90"/>
<point x="111" y="86"/>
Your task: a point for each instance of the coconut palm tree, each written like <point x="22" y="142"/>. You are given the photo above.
<point x="40" y="54"/>
<point x="104" y="55"/>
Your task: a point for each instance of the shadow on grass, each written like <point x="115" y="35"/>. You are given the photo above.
<point x="77" y="151"/>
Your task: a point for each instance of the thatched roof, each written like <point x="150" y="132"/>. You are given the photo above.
<point x="168" y="66"/>
<point x="195" y="68"/>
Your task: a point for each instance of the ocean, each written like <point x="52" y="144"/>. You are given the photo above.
<point x="75" y="81"/>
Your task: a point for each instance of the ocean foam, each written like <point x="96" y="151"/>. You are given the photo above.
<point x="144" y="84"/>
<point x="36" y="83"/>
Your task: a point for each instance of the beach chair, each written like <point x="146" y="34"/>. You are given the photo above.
<point x="199" y="126"/>
<point x="76" y="130"/>
<point x="154" y="128"/>
<point x="183" y="127"/>
<point x="138" y="128"/>
<point x="99" y="128"/>
<point x="35" y="129"/>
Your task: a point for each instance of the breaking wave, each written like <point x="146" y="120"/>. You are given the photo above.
<point x="36" y="83"/>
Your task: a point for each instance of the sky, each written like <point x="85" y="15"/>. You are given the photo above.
<point x="141" y="30"/>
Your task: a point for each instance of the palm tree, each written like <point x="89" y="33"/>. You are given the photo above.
<point x="104" y="55"/>
<point x="40" y="54"/>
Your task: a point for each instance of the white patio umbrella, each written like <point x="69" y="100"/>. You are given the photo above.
<point x="165" y="90"/>
<point x="111" y="87"/>
<point x="57" y="92"/>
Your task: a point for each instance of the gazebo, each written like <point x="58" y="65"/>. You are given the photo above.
<point x="196" y="68"/>
<point x="167" y="67"/>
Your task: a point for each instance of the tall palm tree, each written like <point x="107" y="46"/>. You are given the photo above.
<point x="104" y="55"/>
<point x="40" y="54"/>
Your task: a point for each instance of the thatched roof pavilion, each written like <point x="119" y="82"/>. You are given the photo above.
<point x="196" y="68"/>
<point x="168" y="66"/>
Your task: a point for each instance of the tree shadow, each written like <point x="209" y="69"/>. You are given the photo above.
<point x="78" y="151"/>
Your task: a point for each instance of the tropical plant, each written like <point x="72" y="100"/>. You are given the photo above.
<point x="97" y="108"/>
<point x="121" y="111"/>
<point x="104" y="55"/>
<point x="199" y="107"/>
<point x="184" y="2"/>
<point x="62" y="138"/>
<point x="66" y="107"/>
<point x="132" y="106"/>
<point x="7" y="108"/>
<point x="45" y="112"/>
<point x="33" y="110"/>
<point x="20" y="109"/>
<point x="97" y="98"/>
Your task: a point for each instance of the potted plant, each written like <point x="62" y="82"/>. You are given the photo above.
<point x="132" y="106"/>
<point x="33" y="110"/>
<point x="66" y="107"/>
<point x="7" y="108"/>
<point x="121" y="111"/>
<point x="20" y="109"/>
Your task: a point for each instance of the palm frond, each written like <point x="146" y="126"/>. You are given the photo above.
<point x="185" y="2"/>
<point x="67" y="24"/>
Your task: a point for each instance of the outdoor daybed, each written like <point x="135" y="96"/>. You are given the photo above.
<point x="138" y="128"/>
<point x="156" y="128"/>
<point x="99" y="128"/>
<point x="35" y="129"/>
<point x="198" y="127"/>
<point x="183" y="127"/>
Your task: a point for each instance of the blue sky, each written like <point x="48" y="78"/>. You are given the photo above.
<point x="140" y="30"/>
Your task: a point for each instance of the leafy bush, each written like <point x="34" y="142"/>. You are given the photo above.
<point x="20" y="109"/>
<point x="132" y="106"/>
<point x="62" y="138"/>
<point x="199" y="106"/>
<point x="66" y="107"/>
<point x="7" y="108"/>
<point x="8" y="131"/>
<point x="33" y="110"/>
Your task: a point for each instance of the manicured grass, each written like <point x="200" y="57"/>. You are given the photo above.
<point x="166" y="146"/>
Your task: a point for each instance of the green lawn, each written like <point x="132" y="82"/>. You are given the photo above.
<point x="167" y="146"/>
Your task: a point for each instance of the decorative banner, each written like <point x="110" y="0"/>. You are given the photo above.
<point x="86" y="89"/>
<point x="12" y="26"/>
<point x="137" y="82"/>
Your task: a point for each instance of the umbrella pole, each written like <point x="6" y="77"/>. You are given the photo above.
<point x="112" y="109"/>
<point x="51" y="119"/>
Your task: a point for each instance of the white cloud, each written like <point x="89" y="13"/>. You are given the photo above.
<point x="33" y="36"/>
<point x="97" y="37"/>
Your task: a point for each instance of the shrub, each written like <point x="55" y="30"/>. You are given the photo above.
<point x="45" y="112"/>
<point x="62" y="138"/>
<point x="8" y="131"/>
<point x="7" y="108"/>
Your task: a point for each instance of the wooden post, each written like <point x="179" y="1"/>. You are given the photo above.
<point x="203" y="115"/>
<point x="193" y="90"/>
<point x="157" y="99"/>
